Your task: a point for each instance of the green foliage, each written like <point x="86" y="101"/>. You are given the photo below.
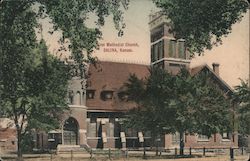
<point x="70" y="17"/>
<point x="27" y="143"/>
<point x="38" y="91"/>
<point x="67" y="16"/>
<point x="33" y="95"/>
<point x="213" y="110"/>
<point x="48" y="83"/>
<point x="33" y="84"/>
<point x="202" y="23"/>
<point x="242" y="96"/>
<point x="178" y="103"/>
<point x="150" y="95"/>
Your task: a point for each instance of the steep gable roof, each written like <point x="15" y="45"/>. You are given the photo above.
<point x="222" y="84"/>
<point x="111" y="76"/>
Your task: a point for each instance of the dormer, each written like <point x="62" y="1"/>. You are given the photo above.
<point x="107" y="95"/>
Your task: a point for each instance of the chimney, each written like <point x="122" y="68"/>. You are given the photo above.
<point x="216" y="68"/>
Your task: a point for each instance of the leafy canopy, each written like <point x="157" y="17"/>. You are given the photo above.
<point x="242" y="96"/>
<point x="202" y="23"/>
<point x="69" y="17"/>
<point x="177" y="103"/>
<point x="20" y="67"/>
<point x="36" y="97"/>
<point x="33" y="84"/>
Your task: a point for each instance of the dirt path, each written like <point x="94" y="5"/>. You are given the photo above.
<point x="220" y="158"/>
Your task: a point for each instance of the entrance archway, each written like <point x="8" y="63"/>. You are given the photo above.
<point x="70" y="131"/>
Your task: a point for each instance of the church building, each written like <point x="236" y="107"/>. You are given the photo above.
<point x="98" y="103"/>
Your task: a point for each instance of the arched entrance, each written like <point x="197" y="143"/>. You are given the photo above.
<point x="70" y="131"/>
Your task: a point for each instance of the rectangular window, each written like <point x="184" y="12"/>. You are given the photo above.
<point x="106" y="95"/>
<point x="91" y="131"/>
<point x="131" y="132"/>
<point x="176" y="138"/>
<point x="117" y="129"/>
<point x="203" y="138"/>
<point x="70" y="98"/>
<point x="226" y="136"/>
<point x="156" y="52"/>
<point x="172" y="48"/>
<point x="158" y="33"/>
<point x="152" y="54"/>
<point x="90" y="94"/>
<point x="110" y="128"/>
<point x="160" y="49"/>
<point x="181" y="49"/>
<point x="147" y="134"/>
<point x="99" y="128"/>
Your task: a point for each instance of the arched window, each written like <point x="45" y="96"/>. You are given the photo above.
<point x="78" y="98"/>
<point x="83" y="98"/>
<point x="71" y="97"/>
<point x="70" y="131"/>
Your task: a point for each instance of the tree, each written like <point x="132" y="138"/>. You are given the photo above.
<point x="150" y="96"/>
<point x="32" y="83"/>
<point x="68" y="17"/>
<point x="214" y="109"/>
<point x="202" y="23"/>
<point x="177" y="103"/>
<point x="242" y="96"/>
<point x="33" y="94"/>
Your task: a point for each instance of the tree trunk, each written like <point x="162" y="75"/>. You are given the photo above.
<point x="19" y="149"/>
<point x="18" y="132"/>
<point x="154" y="142"/>
<point x="248" y="143"/>
<point x="181" y="144"/>
<point x="157" y="147"/>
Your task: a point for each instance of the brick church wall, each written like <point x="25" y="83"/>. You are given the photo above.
<point x="8" y="142"/>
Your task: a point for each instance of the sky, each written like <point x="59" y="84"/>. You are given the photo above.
<point x="232" y="55"/>
<point x="136" y="19"/>
<point x="134" y="45"/>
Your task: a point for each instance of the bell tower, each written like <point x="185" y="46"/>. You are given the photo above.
<point x="78" y="111"/>
<point x="166" y="52"/>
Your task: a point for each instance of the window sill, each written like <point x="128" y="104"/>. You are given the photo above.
<point x="51" y="140"/>
<point x="226" y="140"/>
<point x="175" y="143"/>
<point x="94" y="138"/>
